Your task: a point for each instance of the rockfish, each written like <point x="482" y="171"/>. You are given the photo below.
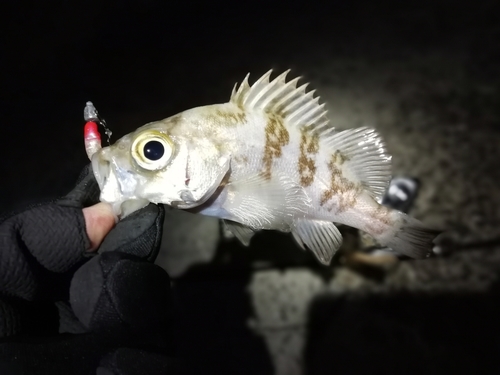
<point x="267" y="159"/>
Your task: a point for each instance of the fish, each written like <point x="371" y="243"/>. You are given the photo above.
<point x="268" y="159"/>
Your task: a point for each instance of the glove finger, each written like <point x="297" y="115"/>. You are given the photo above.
<point x="138" y="234"/>
<point x="41" y="246"/>
<point x="117" y="290"/>
<point x="38" y="247"/>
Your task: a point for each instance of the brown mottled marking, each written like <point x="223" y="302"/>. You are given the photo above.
<point x="173" y="121"/>
<point x="218" y="117"/>
<point x="309" y="145"/>
<point x="381" y="219"/>
<point x="375" y="229"/>
<point x="231" y="118"/>
<point x="340" y="158"/>
<point x="346" y="190"/>
<point x="219" y="146"/>
<point x="276" y="137"/>
<point x="241" y="159"/>
<point x="382" y="214"/>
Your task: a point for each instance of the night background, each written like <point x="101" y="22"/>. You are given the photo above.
<point x="425" y="74"/>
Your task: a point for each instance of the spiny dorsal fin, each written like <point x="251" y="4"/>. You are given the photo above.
<point x="365" y="154"/>
<point x="297" y="107"/>
<point x="364" y="149"/>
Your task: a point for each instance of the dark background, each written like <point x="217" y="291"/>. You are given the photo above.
<point x="141" y="61"/>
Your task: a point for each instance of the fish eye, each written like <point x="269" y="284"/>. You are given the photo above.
<point x="152" y="150"/>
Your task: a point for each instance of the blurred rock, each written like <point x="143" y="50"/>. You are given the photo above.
<point x="280" y="301"/>
<point x="188" y="239"/>
<point x="353" y="323"/>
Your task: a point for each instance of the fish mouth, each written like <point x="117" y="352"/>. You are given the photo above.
<point x="112" y="189"/>
<point x="104" y="176"/>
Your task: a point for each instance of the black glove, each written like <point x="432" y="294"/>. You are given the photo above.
<point x="66" y="310"/>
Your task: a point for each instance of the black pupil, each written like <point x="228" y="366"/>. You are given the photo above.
<point x="154" y="150"/>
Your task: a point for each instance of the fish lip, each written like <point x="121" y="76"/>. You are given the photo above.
<point x="105" y="172"/>
<point x="184" y="206"/>
<point x="101" y="170"/>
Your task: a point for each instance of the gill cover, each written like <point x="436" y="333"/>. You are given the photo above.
<point x="179" y="171"/>
<point x="206" y="168"/>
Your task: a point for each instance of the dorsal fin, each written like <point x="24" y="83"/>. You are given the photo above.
<point x="364" y="150"/>
<point x="292" y="103"/>
<point x="365" y="154"/>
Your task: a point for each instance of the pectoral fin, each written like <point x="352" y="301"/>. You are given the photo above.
<point x="260" y="203"/>
<point x="242" y="233"/>
<point x="321" y="237"/>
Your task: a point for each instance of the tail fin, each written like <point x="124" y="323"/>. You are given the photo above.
<point x="413" y="239"/>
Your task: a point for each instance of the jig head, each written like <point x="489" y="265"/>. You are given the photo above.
<point x="91" y="135"/>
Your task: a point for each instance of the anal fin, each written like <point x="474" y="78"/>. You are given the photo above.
<point x="243" y="233"/>
<point x="321" y="237"/>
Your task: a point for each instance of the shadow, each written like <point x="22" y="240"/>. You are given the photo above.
<point x="212" y="333"/>
<point x="404" y="334"/>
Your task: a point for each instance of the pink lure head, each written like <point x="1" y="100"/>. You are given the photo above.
<point x="92" y="138"/>
<point x="91" y="135"/>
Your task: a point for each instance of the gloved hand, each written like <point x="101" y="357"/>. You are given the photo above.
<point x="65" y="308"/>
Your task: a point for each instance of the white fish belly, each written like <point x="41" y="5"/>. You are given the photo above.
<point x="332" y="191"/>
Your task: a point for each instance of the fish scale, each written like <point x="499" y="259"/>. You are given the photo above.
<point x="266" y="160"/>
